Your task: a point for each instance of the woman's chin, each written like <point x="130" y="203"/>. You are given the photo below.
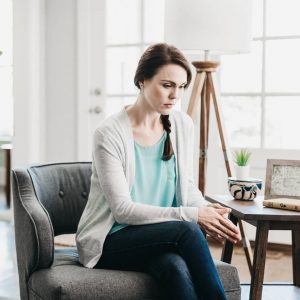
<point x="166" y="110"/>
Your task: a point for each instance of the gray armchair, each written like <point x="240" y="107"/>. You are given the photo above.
<point x="48" y="201"/>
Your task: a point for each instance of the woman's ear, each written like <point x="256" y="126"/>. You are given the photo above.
<point x="141" y="84"/>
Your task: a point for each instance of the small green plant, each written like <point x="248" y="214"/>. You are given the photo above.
<point x="242" y="157"/>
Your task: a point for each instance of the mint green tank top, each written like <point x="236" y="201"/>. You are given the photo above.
<point x="155" y="179"/>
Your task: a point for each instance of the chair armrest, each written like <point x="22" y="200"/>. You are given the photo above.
<point x="33" y="229"/>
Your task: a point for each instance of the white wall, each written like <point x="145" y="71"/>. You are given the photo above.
<point x="44" y="81"/>
<point x="28" y="78"/>
<point x="61" y="104"/>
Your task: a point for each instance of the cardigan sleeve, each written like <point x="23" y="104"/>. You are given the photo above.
<point x="195" y="197"/>
<point x="107" y="156"/>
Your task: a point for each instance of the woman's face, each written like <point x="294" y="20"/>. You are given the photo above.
<point x="163" y="90"/>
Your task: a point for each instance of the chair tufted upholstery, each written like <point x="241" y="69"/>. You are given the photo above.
<point x="49" y="200"/>
<point x="63" y="190"/>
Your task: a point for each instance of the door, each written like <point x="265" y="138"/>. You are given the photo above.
<point x="90" y="73"/>
<point x="112" y="34"/>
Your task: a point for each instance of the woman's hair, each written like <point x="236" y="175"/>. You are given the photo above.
<point x="152" y="60"/>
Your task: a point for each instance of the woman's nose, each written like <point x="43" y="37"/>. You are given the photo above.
<point x="175" y="93"/>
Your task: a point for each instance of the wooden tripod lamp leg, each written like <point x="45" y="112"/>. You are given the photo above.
<point x="203" y="142"/>
<point x="196" y="92"/>
<point x="228" y="163"/>
<point x="197" y="88"/>
<point x="204" y="132"/>
<point x="207" y="104"/>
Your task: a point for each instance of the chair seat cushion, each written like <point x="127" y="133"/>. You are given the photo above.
<point x="68" y="279"/>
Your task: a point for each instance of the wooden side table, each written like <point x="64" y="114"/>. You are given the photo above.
<point x="7" y="149"/>
<point x="264" y="219"/>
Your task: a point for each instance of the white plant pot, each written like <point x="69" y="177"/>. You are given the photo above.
<point x="242" y="172"/>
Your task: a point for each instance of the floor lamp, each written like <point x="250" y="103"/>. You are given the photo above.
<point x="204" y="89"/>
<point x="218" y="27"/>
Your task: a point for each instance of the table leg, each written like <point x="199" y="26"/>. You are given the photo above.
<point x="296" y="256"/>
<point x="246" y="246"/>
<point x="259" y="260"/>
<point x="228" y="246"/>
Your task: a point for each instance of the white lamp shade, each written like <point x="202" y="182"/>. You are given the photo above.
<point x="219" y="26"/>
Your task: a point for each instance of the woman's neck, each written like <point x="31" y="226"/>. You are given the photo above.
<point x="147" y="127"/>
<point x="143" y="117"/>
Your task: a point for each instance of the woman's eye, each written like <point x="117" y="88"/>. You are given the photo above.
<point x="166" y="85"/>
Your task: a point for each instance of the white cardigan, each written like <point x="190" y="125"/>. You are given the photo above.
<point x="113" y="173"/>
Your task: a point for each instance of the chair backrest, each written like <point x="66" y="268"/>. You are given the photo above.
<point x="48" y="200"/>
<point x="63" y="189"/>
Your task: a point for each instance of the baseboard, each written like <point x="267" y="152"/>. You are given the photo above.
<point x="276" y="246"/>
<point x="271" y="246"/>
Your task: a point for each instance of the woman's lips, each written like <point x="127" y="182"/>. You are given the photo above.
<point x="169" y="105"/>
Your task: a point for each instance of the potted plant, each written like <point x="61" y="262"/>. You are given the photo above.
<point x="242" y="167"/>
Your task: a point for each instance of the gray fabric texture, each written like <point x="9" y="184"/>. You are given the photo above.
<point x="39" y="213"/>
<point x="33" y="230"/>
<point x="63" y="190"/>
<point x="67" y="279"/>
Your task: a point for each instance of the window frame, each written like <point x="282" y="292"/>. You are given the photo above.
<point x="263" y="94"/>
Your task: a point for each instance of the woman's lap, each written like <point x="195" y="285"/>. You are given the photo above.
<point x="132" y="247"/>
<point x="178" y="247"/>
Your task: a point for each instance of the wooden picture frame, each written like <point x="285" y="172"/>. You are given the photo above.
<point x="282" y="179"/>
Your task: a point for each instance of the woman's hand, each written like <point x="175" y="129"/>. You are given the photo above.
<point x="217" y="205"/>
<point x="213" y="219"/>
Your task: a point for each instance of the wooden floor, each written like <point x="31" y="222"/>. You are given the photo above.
<point x="274" y="292"/>
<point x="278" y="273"/>
<point x="9" y="288"/>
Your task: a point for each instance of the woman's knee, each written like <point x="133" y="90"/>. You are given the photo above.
<point x="191" y="229"/>
<point x="171" y="265"/>
<point x="173" y="275"/>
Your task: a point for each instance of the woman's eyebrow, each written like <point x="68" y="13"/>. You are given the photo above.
<point x="172" y="82"/>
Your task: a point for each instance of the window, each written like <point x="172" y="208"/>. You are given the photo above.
<point x="142" y="21"/>
<point x="261" y="90"/>
<point x="6" y="98"/>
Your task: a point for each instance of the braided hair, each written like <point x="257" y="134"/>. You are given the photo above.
<point x="168" y="149"/>
<point x="154" y="58"/>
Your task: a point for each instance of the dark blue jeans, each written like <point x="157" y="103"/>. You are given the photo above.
<point x="175" y="253"/>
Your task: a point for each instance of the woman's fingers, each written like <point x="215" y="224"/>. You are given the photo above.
<point x="211" y="219"/>
<point x="221" y="231"/>
<point x="230" y="227"/>
<point x="223" y="211"/>
<point x="216" y="237"/>
<point x="215" y="205"/>
<point x="226" y="229"/>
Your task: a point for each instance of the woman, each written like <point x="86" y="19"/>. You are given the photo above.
<point x="144" y="211"/>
